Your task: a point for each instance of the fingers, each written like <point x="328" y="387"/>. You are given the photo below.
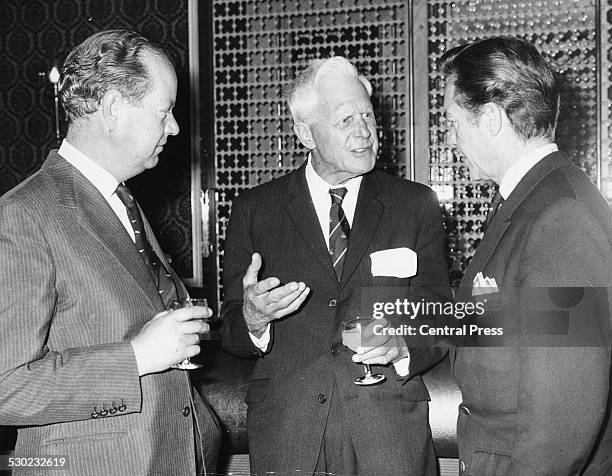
<point x="297" y="301"/>
<point x="391" y="351"/>
<point x="250" y="277"/>
<point x="266" y="285"/>
<point x="378" y="355"/>
<point x="191" y="351"/>
<point x="195" y="326"/>
<point x="284" y="300"/>
<point x="283" y="296"/>
<point x="188" y="313"/>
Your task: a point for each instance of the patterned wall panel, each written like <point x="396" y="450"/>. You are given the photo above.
<point x="564" y="31"/>
<point x="37" y="33"/>
<point x="605" y="55"/>
<point x="259" y="46"/>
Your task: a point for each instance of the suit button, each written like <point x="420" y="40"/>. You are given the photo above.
<point x="321" y="398"/>
<point x="465" y="409"/>
<point x="95" y="415"/>
<point x="335" y="350"/>
<point x="112" y="411"/>
<point x="103" y="413"/>
<point x="462" y="466"/>
<point x="332" y="303"/>
<point x="186" y="411"/>
<point x="121" y="408"/>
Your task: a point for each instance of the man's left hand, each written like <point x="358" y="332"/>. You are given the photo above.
<point x="391" y="351"/>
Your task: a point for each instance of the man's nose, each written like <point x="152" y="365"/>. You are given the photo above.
<point x="361" y="128"/>
<point x="172" y="127"/>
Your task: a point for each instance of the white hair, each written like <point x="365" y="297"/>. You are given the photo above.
<point x="302" y="93"/>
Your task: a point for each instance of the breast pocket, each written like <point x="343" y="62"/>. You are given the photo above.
<point x="257" y="391"/>
<point x="489" y="463"/>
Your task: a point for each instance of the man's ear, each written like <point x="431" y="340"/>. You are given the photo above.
<point x="304" y="134"/>
<point x="110" y="106"/>
<point x="492" y="118"/>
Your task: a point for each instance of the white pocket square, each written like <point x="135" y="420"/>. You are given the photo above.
<point x="482" y="285"/>
<point x="397" y="262"/>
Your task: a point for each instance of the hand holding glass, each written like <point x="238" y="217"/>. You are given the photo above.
<point x="187" y="364"/>
<point x="359" y="332"/>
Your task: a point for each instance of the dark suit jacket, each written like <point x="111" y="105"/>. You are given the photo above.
<point x="74" y="292"/>
<point x="534" y="410"/>
<point x="306" y="366"/>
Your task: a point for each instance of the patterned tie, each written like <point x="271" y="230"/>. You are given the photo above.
<point x="495" y="204"/>
<point x="339" y="229"/>
<point x="164" y="282"/>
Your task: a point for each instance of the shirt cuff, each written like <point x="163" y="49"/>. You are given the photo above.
<point x="262" y="342"/>
<point x="402" y="367"/>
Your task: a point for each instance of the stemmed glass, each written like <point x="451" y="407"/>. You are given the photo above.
<point x="187" y="364"/>
<point x="359" y="331"/>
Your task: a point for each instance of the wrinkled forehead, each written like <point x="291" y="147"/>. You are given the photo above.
<point x="345" y="90"/>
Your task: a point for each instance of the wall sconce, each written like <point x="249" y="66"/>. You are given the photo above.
<point x="54" y="77"/>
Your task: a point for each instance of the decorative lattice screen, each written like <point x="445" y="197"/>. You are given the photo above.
<point x="565" y="32"/>
<point x="258" y="47"/>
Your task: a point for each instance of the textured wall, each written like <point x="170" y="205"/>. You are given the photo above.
<point x="37" y="33"/>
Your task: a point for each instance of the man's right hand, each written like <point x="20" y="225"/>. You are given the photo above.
<point x="266" y="301"/>
<point x="169" y="338"/>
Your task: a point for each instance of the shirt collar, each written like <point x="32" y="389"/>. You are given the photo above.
<point x="99" y="177"/>
<point x="320" y="188"/>
<point x="519" y="169"/>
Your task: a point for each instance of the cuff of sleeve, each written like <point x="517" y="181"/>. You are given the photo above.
<point x="262" y="342"/>
<point x="402" y="367"/>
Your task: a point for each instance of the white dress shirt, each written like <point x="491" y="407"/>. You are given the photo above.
<point x="321" y="199"/>
<point x="100" y="178"/>
<point x="519" y="169"/>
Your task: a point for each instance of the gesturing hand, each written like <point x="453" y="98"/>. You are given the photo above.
<point x="266" y="300"/>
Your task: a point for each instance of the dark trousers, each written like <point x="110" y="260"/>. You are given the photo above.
<point x="356" y="441"/>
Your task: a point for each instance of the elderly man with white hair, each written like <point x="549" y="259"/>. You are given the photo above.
<point x="299" y="257"/>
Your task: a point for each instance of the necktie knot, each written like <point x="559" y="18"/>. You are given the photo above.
<point x="495" y="203"/>
<point x="337" y="195"/>
<point x="125" y="195"/>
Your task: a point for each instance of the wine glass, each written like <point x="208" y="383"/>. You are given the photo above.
<point x="359" y="331"/>
<point x="187" y="364"/>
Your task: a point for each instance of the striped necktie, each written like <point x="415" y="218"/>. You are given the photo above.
<point x="339" y="230"/>
<point x="164" y="282"/>
<point x="140" y="239"/>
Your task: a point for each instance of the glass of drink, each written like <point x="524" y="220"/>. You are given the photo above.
<point x="360" y="331"/>
<point x="187" y="364"/>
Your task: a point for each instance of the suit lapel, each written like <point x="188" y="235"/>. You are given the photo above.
<point x="503" y="218"/>
<point x="301" y="210"/>
<point x="96" y="216"/>
<point x="368" y="213"/>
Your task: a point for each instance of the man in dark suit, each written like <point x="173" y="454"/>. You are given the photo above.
<point x="541" y="404"/>
<point x="313" y="244"/>
<point x="86" y="343"/>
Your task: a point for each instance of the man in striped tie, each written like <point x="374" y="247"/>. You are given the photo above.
<point x="86" y="343"/>
<point x="306" y="242"/>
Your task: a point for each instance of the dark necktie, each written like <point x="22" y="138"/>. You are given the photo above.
<point x="495" y="204"/>
<point x="339" y="230"/>
<point x="161" y="277"/>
